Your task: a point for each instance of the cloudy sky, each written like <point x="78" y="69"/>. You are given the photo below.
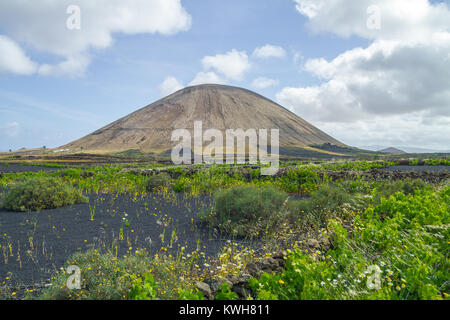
<point x="376" y="72"/>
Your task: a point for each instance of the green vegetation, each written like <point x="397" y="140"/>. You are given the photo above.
<point x="249" y="211"/>
<point x="136" y="276"/>
<point x="225" y="293"/>
<point x="395" y="250"/>
<point x="35" y="194"/>
<point x="343" y="239"/>
<point x="158" y="182"/>
<point x="437" y="162"/>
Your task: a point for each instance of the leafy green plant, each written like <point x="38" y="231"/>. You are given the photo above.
<point x="33" y="194"/>
<point x="190" y="294"/>
<point x="144" y="289"/>
<point x="92" y="211"/>
<point x="225" y="293"/>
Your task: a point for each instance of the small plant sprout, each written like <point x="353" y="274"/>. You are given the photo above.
<point x="92" y="211"/>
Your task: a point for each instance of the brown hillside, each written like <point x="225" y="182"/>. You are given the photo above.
<point x="221" y="107"/>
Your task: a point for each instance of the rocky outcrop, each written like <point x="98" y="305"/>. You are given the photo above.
<point x="377" y="174"/>
<point x="240" y="284"/>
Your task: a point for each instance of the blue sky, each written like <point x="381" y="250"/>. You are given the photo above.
<point x="329" y="68"/>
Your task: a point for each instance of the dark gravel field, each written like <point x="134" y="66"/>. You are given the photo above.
<point x="34" y="245"/>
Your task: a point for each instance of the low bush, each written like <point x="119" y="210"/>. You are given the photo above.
<point x="248" y="210"/>
<point x="158" y="182"/>
<point x="386" y="188"/>
<point x="34" y="194"/>
<point x="327" y="197"/>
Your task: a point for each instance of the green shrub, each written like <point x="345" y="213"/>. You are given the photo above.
<point x="326" y="197"/>
<point x="303" y="180"/>
<point x="328" y="202"/>
<point x="248" y="210"/>
<point x="181" y="184"/>
<point x="159" y="181"/>
<point x="33" y="194"/>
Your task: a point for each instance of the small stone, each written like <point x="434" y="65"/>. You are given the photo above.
<point x="244" y="278"/>
<point x="205" y="289"/>
<point x="241" y="291"/>
<point x="253" y="269"/>
<point x="313" y="243"/>
<point x="279" y="256"/>
<point x="269" y="264"/>
<point x="213" y="284"/>
<point x="233" y="279"/>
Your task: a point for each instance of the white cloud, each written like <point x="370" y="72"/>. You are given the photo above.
<point x="13" y="59"/>
<point x="233" y="65"/>
<point x="399" y="85"/>
<point x="42" y="25"/>
<point x="206" y="78"/>
<point x="385" y="78"/>
<point x="169" y="86"/>
<point x="269" y="51"/>
<point x="262" y="83"/>
<point x="405" y="20"/>
<point x="74" y="66"/>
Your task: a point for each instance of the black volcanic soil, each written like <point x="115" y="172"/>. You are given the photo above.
<point x="34" y="245"/>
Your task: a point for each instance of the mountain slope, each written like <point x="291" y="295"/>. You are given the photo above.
<point x="391" y="150"/>
<point x="221" y="107"/>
